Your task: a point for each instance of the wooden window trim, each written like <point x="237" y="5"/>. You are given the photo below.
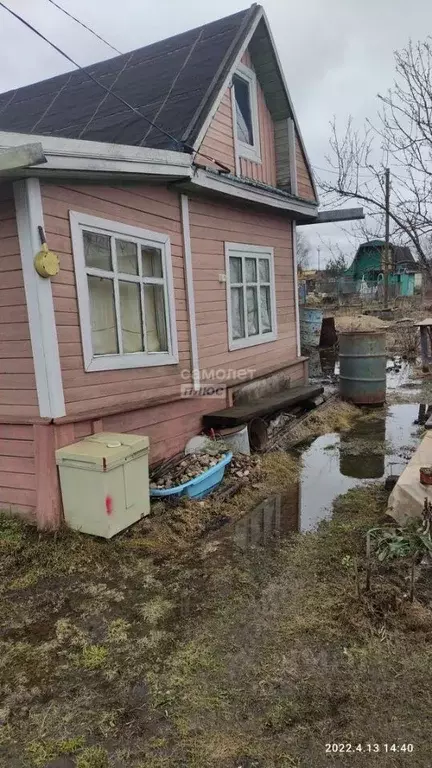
<point x="82" y="221"/>
<point x="257" y="252"/>
<point x="248" y="151"/>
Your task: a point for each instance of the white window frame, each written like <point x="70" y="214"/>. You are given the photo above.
<point x="249" y="151"/>
<point x="92" y="362"/>
<point x="258" y="252"/>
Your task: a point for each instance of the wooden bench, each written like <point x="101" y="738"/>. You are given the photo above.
<point x="241" y="414"/>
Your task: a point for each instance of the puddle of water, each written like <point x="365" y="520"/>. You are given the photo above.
<point x="271" y="520"/>
<point x="372" y="450"/>
<point x="332" y="464"/>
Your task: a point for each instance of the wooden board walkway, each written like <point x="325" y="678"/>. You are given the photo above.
<point x="241" y="414"/>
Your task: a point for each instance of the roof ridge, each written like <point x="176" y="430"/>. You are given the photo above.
<point x="229" y="56"/>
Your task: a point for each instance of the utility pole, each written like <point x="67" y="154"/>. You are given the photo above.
<point x="319" y="258"/>
<point x="387" y="238"/>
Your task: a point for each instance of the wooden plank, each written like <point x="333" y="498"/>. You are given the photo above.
<point x="18" y="496"/>
<point x="16" y="381"/>
<point x="16" y="432"/>
<point x="14" y="447"/>
<point x="48" y="501"/>
<point x="9" y="246"/>
<point x="19" y="480"/>
<point x="23" y="414"/>
<point x="14" y="331"/>
<point x="17" y="464"/>
<point x="241" y="414"/>
<point x="11" y="297"/>
<point x="14" y="314"/>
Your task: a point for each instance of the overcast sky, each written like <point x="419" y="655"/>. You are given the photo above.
<point x="337" y="54"/>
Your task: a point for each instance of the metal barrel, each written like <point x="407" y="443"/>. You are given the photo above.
<point x="310" y="327"/>
<point x="362" y="358"/>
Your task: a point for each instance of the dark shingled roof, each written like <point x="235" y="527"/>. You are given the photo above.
<point x="173" y="82"/>
<point x="401" y="253"/>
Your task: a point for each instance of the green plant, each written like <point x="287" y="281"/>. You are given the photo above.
<point x="392" y="543"/>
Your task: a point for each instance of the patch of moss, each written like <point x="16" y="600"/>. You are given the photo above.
<point x="155" y="610"/>
<point x="11" y="531"/>
<point x="93" y="757"/>
<point x="6" y="734"/>
<point x="93" y="656"/>
<point x="118" y="631"/>
<point x="68" y="633"/>
<point x="40" y="752"/>
<point x="24" y="581"/>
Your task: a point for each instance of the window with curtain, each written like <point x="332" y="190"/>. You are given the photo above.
<point x="251" y="295"/>
<point x="124" y="296"/>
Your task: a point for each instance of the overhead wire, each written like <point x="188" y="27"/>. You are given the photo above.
<point x="82" y="24"/>
<point x="92" y="77"/>
<point x="110" y="92"/>
<point x="105" y="97"/>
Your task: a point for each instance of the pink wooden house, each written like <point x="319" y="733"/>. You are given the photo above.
<point x="176" y="245"/>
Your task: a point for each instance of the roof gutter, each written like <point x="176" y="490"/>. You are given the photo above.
<point x="222" y="186"/>
<point x="92" y="159"/>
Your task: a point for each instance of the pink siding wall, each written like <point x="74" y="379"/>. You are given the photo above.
<point x="169" y="427"/>
<point x="17" y="380"/>
<point x="218" y="142"/>
<point x="153" y="208"/>
<point x="17" y="467"/>
<point x="304" y="182"/>
<point x="213" y="224"/>
<point x="28" y="476"/>
<point x="219" y="139"/>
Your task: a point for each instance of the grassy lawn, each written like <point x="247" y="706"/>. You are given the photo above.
<point x="112" y="654"/>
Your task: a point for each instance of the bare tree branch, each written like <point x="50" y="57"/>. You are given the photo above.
<point x="402" y="140"/>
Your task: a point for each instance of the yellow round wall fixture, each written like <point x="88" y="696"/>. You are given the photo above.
<point x="46" y="263"/>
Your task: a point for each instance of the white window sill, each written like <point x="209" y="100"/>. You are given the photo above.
<point x="253" y="341"/>
<point x="135" y="360"/>
<point x="248" y="152"/>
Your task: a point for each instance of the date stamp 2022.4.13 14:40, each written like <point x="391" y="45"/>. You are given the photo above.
<point x="337" y="747"/>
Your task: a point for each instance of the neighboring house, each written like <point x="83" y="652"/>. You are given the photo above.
<point x="177" y="264"/>
<point x="368" y="262"/>
<point x="368" y="267"/>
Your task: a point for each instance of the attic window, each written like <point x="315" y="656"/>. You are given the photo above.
<point x="243" y="111"/>
<point x="245" y="104"/>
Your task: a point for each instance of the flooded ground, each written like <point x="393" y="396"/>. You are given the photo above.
<point x="405" y="381"/>
<point x="377" y="446"/>
<point x="373" y="449"/>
